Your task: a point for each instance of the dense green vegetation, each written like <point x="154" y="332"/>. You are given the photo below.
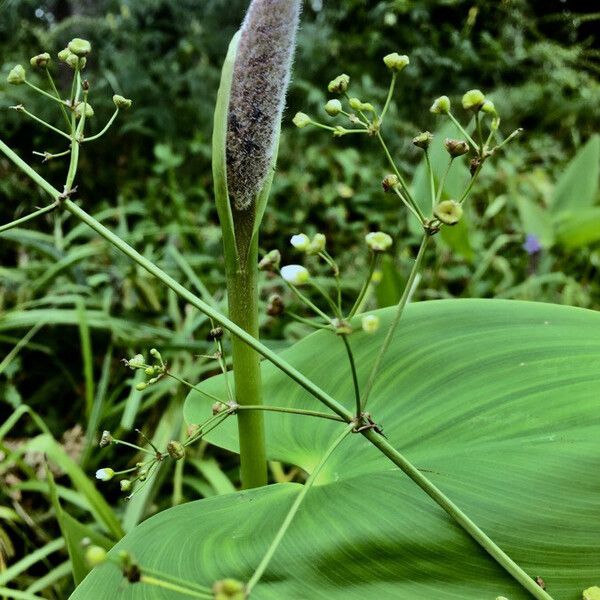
<point x="71" y="307"/>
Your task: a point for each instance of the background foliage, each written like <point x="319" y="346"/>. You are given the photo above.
<point x="71" y="308"/>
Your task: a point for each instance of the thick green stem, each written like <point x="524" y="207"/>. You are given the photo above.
<point x="242" y="296"/>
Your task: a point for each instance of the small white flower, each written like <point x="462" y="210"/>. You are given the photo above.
<point x="295" y="274"/>
<point x="300" y="241"/>
<point x="105" y="474"/>
<point x="370" y="323"/>
<point x="378" y="241"/>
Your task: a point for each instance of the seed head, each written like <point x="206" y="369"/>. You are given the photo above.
<point x="79" y="47"/>
<point x="339" y="85"/>
<point x="456" y="147"/>
<point x="448" y="212"/>
<point x="261" y="74"/>
<point x="423" y="140"/>
<point x="473" y="100"/>
<point x="121" y="102"/>
<point x="40" y="60"/>
<point x="378" y="241"/>
<point x="389" y="182"/>
<point x="16" y="75"/>
<point x="396" y="62"/>
<point x="440" y="106"/>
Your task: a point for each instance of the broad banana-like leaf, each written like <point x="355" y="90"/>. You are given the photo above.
<point x="495" y="401"/>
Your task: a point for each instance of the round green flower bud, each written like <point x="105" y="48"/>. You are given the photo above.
<point x="356" y="104"/>
<point x="488" y="108"/>
<point x="317" y="244"/>
<point x="125" y="485"/>
<point x="339" y="85"/>
<point x="473" y="100"/>
<point x="301" y="120"/>
<point x="396" y="62"/>
<point x="333" y="108"/>
<point x="121" y="102"/>
<point x="229" y="589"/>
<point x="370" y="323"/>
<point x="94" y="556"/>
<point x="40" y="60"/>
<point x="16" y="75"/>
<point x="389" y="182"/>
<point x="141" y="386"/>
<point x="440" y="106"/>
<point x="456" y="147"/>
<point x="448" y="212"/>
<point x="79" y="47"/>
<point x="378" y="241"/>
<point x="423" y="140"/>
<point x="89" y="111"/>
<point x="175" y="450"/>
<point x="592" y="593"/>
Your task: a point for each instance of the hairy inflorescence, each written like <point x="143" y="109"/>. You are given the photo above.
<point x="261" y="75"/>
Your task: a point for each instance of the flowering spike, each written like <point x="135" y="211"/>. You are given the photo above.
<point x="261" y="75"/>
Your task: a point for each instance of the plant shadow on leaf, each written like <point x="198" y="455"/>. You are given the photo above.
<point x="500" y="411"/>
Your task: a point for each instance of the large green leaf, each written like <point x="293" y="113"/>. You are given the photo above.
<point x="495" y="401"/>
<point x="577" y="187"/>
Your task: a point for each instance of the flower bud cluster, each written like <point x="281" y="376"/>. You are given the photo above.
<point x="153" y="371"/>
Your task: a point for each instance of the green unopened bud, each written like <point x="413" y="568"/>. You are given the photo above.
<point x="440" y="106"/>
<point x="271" y="261"/>
<point x="356" y="104"/>
<point x="89" y="111"/>
<point x="592" y="593"/>
<point x="473" y="100"/>
<point x="488" y="108"/>
<point x="79" y="47"/>
<point x="40" y="60"/>
<point x="143" y="475"/>
<point x="378" y="241"/>
<point x="106" y="439"/>
<point x="301" y="120"/>
<point x="94" y="556"/>
<point x="317" y="244"/>
<point x="333" y="108"/>
<point x="176" y="450"/>
<point x="389" y="182"/>
<point x="149" y="371"/>
<point x="16" y="75"/>
<point x="141" y="386"/>
<point x="229" y="589"/>
<point x="448" y="212"/>
<point x="121" y="101"/>
<point x="396" y="62"/>
<point x="300" y="241"/>
<point x="64" y="54"/>
<point x="456" y="147"/>
<point x="339" y="85"/>
<point x="125" y="485"/>
<point x="423" y="140"/>
<point x="370" y="323"/>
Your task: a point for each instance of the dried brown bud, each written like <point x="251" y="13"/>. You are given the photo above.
<point x="275" y="306"/>
<point x="215" y="334"/>
<point x="389" y="182"/>
<point x="456" y="147"/>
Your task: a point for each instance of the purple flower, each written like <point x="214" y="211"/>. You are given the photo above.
<point x="532" y="244"/>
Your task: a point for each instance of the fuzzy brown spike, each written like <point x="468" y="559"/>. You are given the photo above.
<point x="261" y="75"/>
